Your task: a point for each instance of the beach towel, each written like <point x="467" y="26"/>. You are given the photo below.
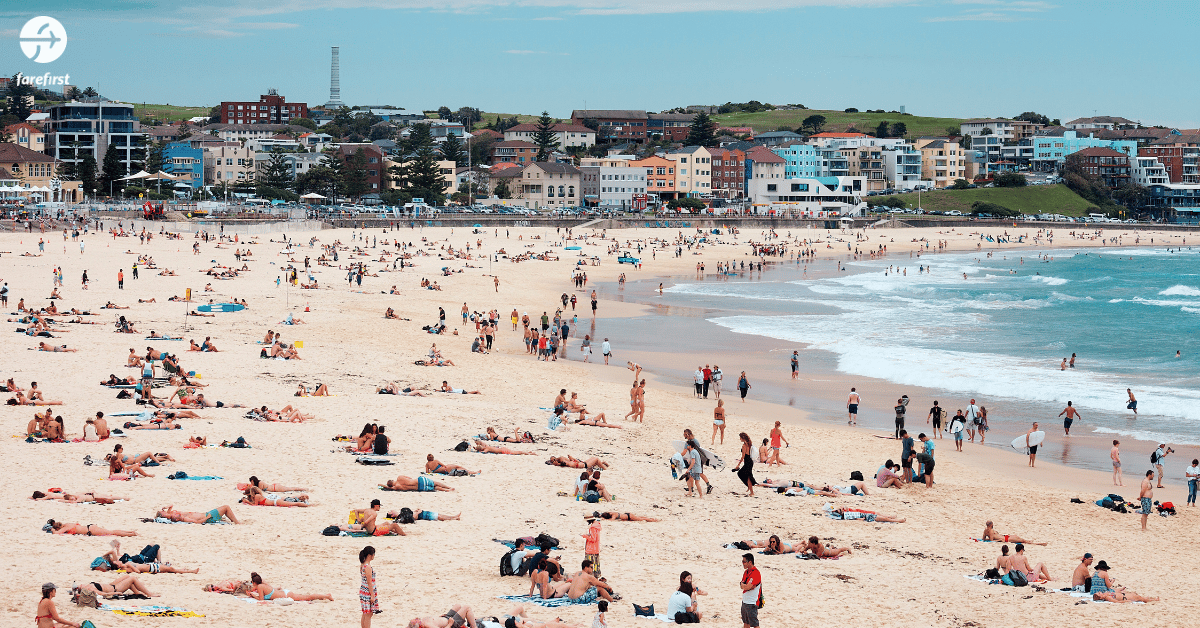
<point x="537" y="599"/>
<point x="151" y="611"/>
<point x="165" y="520"/>
<point x="182" y="475"/>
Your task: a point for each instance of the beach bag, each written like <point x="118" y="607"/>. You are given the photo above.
<point x="1154" y="457"/>
<point x="330" y="531"/>
<point x="684" y="617"/>
<point x="545" y="538"/>
<point x="992" y="574"/>
<point x="1116" y="498"/>
<point x="406" y="515"/>
<point x="643" y="611"/>
<point x="506" y="564"/>
<point x="463" y="446"/>
<point x="1015" y="579"/>
<point x="86" y="598"/>
<point x="856" y="476"/>
<point x="124" y="394"/>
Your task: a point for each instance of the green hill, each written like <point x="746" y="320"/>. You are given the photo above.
<point x="168" y="113"/>
<point x="1034" y="199"/>
<point x="836" y="121"/>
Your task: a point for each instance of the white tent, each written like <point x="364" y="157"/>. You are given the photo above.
<point x="140" y="175"/>
<point x="312" y="196"/>
<point x="162" y="175"/>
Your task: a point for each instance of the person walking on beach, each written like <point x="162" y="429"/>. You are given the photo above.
<point x="606" y="349"/>
<point x="1132" y="405"/>
<point x="1115" y="455"/>
<point x="957" y="425"/>
<point x="120" y="279"/>
<point x="717" y="375"/>
<point x="935" y="414"/>
<point x="852" y="407"/>
<point x="594" y="301"/>
<point x="368" y="592"/>
<point x="707" y="379"/>
<point x="591" y="544"/>
<point x="973" y="420"/>
<point x="743" y="385"/>
<point x="1146" y="495"/>
<point x="719" y="423"/>
<point x="1193" y="475"/>
<point x="1156" y="459"/>
<point x="1032" y="448"/>
<point x="698" y="379"/>
<point x="795" y="364"/>
<point x="1072" y="414"/>
<point x="900" y="410"/>
<point x="745" y="466"/>
<point x="751" y="591"/>
<point x="776" y="437"/>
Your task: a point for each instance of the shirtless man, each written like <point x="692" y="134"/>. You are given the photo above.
<point x="213" y="516"/>
<point x="990" y="534"/>
<point x="1132" y="405"/>
<point x="633" y="401"/>
<point x="1115" y="455"/>
<point x="1032" y="448"/>
<point x="814" y="546"/>
<point x="433" y="465"/>
<point x="458" y="616"/>
<point x="573" y="462"/>
<point x="421" y="484"/>
<point x="1146" y="495"/>
<point x="1021" y="562"/>
<point x="641" y="401"/>
<point x="1072" y="414"/>
<point x="55" y="348"/>
<point x="484" y="448"/>
<point x="460" y="391"/>
<point x="852" y="407"/>
<point x="101" y="424"/>
<point x="1081" y="574"/>
<point x="367" y="519"/>
<point x="582" y="588"/>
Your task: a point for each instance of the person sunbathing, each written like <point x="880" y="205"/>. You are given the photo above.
<point x="213" y="516"/>
<point x="77" y="499"/>
<point x="151" y="299"/>
<point x="269" y="486"/>
<point x="120" y="470"/>
<point x="575" y="463"/>
<point x="421" y="484"/>
<point x="774" y="545"/>
<point x="168" y="424"/>
<point x="42" y="346"/>
<point x="597" y="421"/>
<point x="1105" y="590"/>
<point x="128" y="582"/>
<point x="254" y="496"/>
<point x="622" y="516"/>
<point x="814" y="546"/>
<point x="518" y="436"/>
<point x="458" y="391"/>
<point x="192" y="346"/>
<point x="320" y="391"/>
<point x="148" y="561"/>
<point x="990" y="534"/>
<point x="366" y="520"/>
<point x="390" y="313"/>
<point x="142" y="457"/>
<point x="265" y="592"/>
<point x="113" y="380"/>
<point x="396" y="388"/>
<point x="58" y="527"/>
<point x="850" y="514"/>
<point x="582" y="588"/>
<point x="855" y="488"/>
<point x="432" y="465"/>
<point x="482" y="447"/>
<point x="458" y="616"/>
<point x="517" y="618"/>
<point x="196" y="442"/>
<point x="20" y="400"/>
<point x="113" y="306"/>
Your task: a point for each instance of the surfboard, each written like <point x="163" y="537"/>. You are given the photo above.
<point x="707" y="457"/>
<point x="220" y="307"/>
<point x="1035" y="439"/>
<point x="957" y="426"/>
<point x="574" y="248"/>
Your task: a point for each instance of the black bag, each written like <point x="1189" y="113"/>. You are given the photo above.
<point x="742" y="545"/>
<point x="1154" y="457"/>
<point x="685" y="617"/>
<point x="406" y="517"/>
<point x="1018" y="578"/>
<point x="124" y="394"/>
<point x="856" y="476"/>
<point x="331" y="531"/>
<point x="643" y="611"/>
<point x="545" y="538"/>
<point x="506" y="564"/>
<point x="992" y="574"/>
<point x="463" y="446"/>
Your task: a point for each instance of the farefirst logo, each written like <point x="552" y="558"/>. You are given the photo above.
<point x="44" y="80"/>
<point x="43" y="39"/>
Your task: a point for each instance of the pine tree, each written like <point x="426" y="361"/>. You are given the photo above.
<point x="154" y="157"/>
<point x="545" y="137"/>
<point x="452" y="149"/>
<point x="19" y="102"/>
<point x="501" y="190"/>
<point x="277" y="173"/>
<point x="703" y="131"/>
<point x="356" y="174"/>
<point x="86" y="172"/>
<point x="882" y="129"/>
<point x="112" y="170"/>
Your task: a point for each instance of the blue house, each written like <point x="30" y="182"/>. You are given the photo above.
<point x="182" y="160"/>
<point x="1049" y="151"/>
<point x="803" y="161"/>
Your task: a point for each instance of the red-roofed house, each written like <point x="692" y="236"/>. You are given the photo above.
<point x="568" y="135"/>
<point x="514" y="151"/>
<point x="1111" y="166"/>
<point x="832" y="135"/>
<point x="26" y="136"/>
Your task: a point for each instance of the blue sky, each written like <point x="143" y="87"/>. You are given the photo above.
<point x="958" y="58"/>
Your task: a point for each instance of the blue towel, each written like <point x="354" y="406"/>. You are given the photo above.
<point x="537" y="599"/>
<point x="196" y="477"/>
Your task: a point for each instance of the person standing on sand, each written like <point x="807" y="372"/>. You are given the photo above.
<point x="1032" y="448"/>
<point x="594" y="301"/>
<point x="745" y="466"/>
<point x="751" y="591"/>
<point x="852" y="407"/>
<point x="707" y="379"/>
<point x="935" y="414"/>
<point x="698" y="380"/>
<point x="1156" y="459"/>
<point x="776" y="436"/>
<point x="795" y="364"/>
<point x="1072" y="414"/>
<point x="1115" y="454"/>
<point x="973" y="420"/>
<point x="368" y="592"/>
<point x="717" y="375"/>
<point x="1132" y="405"/>
<point x="743" y="385"/>
<point x="900" y="410"/>
<point x="606" y="349"/>
<point x="1146" y="495"/>
<point x="641" y="401"/>
<point x="1192" y="474"/>
<point x="719" y="424"/>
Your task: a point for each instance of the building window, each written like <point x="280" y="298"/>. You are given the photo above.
<point x="770" y="187"/>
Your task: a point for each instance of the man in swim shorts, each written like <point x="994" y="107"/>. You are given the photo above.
<point x="1032" y="448"/>
<point x="852" y="407"/>
<point x="1072" y="414"/>
<point x="1146" y="494"/>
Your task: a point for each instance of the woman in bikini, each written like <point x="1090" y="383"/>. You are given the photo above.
<point x="458" y="616"/>
<point x="119" y="470"/>
<point x="47" y="612"/>
<point x="433" y="465"/>
<point x="266" y="592"/>
<point x="774" y="545"/>
<point x="267" y="486"/>
<point x="814" y="546"/>
<point x="597" y="421"/>
<point x="518" y="438"/>
<point x="75" y="499"/>
<point x="59" y="527"/>
<point x="128" y="582"/>
<point x="574" y="463"/>
<point x="485" y="448"/>
<point x="254" y="496"/>
<point x="622" y="516"/>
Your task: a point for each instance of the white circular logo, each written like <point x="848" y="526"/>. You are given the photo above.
<point x="43" y="39"/>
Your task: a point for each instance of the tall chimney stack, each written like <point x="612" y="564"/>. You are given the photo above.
<point x="335" y="83"/>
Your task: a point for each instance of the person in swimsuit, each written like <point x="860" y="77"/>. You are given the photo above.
<point x="213" y="516"/>
<point x="718" y="422"/>
<point x="254" y="496"/>
<point x="773" y="545"/>
<point x="58" y="527"/>
<point x="622" y="516"/>
<point x="852" y="407"/>
<point x="80" y="498"/>
<point x="518" y="437"/>
<point x="1020" y="562"/>
<point x="432" y="465"/>
<point x="745" y="468"/>
<point x="268" y="486"/>
<point x="990" y="534"/>
<point x="850" y="514"/>
<point x="458" y="391"/>
<point x="429" y="515"/>
<point x="855" y="488"/>
<point x="265" y="592"/>
<point x="814" y="546"/>
<point x="1104" y="590"/>
<point x="149" y="560"/>
<point x="458" y="616"/>
<point x="47" y="612"/>
<point x="128" y="582"/>
<point x="575" y="463"/>
<point x="776" y="436"/>
<point x="422" y="484"/>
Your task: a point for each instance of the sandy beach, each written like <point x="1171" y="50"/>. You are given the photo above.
<point x="910" y="574"/>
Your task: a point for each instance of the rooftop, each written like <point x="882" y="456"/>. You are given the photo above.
<point x="602" y="114"/>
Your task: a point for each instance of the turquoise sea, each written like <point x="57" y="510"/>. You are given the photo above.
<point x="1002" y="332"/>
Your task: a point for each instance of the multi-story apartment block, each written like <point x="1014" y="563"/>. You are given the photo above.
<point x="612" y="183"/>
<point x="514" y="151"/>
<point x="1006" y="130"/>
<point x="27" y="136"/>
<point x="568" y="135"/>
<point x="728" y="173"/>
<point x="544" y="185"/>
<point x="271" y="108"/>
<point x="239" y="132"/>
<point x="1179" y="155"/>
<point x="89" y="128"/>
<point x="374" y="163"/>
<point x="618" y="125"/>
<point x="807" y="196"/>
<point x="762" y="163"/>
<point x="185" y="162"/>
<point x="228" y="162"/>
<point x="942" y="161"/>
<point x="693" y="172"/>
<point x="1148" y="171"/>
<point x="1100" y="122"/>
<point x="803" y="160"/>
<point x="660" y="176"/>
<point x="672" y="127"/>
<point x="1110" y="166"/>
<point x="1049" y="151"/>
<point x="902" y="167"/>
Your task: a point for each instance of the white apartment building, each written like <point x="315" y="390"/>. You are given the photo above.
<point x="1148" y="171"/>
<point x="568" y="135"/>
<point x="807" y="196"/>
<point x="693" y="175"/>
<point x="610" y="183"/>
<point x="902" y="167"/>
<point x="227" y="162"/>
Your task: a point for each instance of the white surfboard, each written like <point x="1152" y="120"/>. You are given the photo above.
<point x="1035" y="439"/>
<point x="956" y="427"/>
<point x="709" y="458"/>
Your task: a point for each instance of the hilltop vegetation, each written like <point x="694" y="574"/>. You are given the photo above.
<point x="1034" y="199"/>
<point x="837" y="121"/>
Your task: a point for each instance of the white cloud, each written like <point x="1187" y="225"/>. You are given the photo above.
<point x="996" y="11"/>
<point x="985" y="16"/>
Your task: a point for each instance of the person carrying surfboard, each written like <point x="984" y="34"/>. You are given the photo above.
<point x="1032" y="444"/>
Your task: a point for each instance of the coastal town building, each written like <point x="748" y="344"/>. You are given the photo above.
<point x="76" y="129"/>
<point x="270" y="108"/>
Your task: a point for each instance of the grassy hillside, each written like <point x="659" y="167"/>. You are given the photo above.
<point x="836" y="121"/>
<point x="169" y="112"/>
<point x="491" y="117"/>
<point x="1034" y="199"/>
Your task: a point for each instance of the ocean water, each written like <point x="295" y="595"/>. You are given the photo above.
<point x="1001" y="333"/>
